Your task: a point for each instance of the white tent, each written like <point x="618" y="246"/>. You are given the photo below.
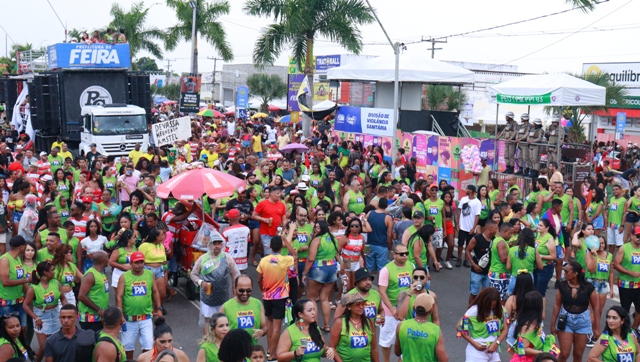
<point x="414" y="67"/>
<point x="548" y="89"/>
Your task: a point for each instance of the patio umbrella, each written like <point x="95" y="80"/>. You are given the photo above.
<point x="298" y="147"/>
<point x="260" y="115"/>
<point x="285" y="119"/>
<point x="273" y="108"/>
<point x="206" y="113"/>
<point x="169" y="102"/>
<point x="192" y="184"/>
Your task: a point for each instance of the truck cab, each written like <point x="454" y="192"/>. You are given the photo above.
<point x="114" y="128"/>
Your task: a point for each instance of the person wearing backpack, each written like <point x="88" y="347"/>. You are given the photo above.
<point x="112" y="350"/>
<point x="61" y="346"/>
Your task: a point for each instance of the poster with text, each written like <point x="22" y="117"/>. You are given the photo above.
<point x="190" y="92"/>
<point x="487" y="149"/>
<point x="419" y="149"/>
<point x="407" y="144"/>
<point x="432" y="150"/>
<point x="502" y="164"/>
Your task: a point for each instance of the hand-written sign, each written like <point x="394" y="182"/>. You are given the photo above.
<point x="168" y="132"/>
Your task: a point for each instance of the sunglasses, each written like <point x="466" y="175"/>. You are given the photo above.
<point x="419" y="277"/>
<point x="303" y="215"/>
<point x="402" y="254"/>
<point x="69" y="252"/>
<point x="12" y="314"/>
<point x="354" y="226"/>
<point x="243" y="291"/>
<point x="359" y="304"/>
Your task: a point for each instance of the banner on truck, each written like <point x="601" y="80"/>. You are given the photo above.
<point x="190" y="92"/>
<point x="168" y="132"/>
<point x="78" y="55"/>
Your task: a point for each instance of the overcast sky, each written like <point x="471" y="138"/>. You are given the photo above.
<point x="608" y="34"/>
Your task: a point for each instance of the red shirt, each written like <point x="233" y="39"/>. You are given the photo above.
<point x="15" y="166"/>
<point x="268" y="209"/>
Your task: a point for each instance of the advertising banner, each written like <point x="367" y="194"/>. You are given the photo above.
<point x="375" y="121"/>
<point x="295" y="80"/>
<point x="79" y="55"/>
<point x="242" y="97"/>
<point x="190" y="93"/>
<point x="324" y="62"/>
<point x="168" y="132"/>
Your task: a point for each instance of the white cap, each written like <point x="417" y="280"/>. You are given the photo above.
<point x="43" y="153"/>
<point x="305" y="178"/>
<point x="299" y="132"/>
<point x="18" y="147"/>
<point x="510" y="114"/>
<point x="556" y="118"/>
<point x="47" y="177"/>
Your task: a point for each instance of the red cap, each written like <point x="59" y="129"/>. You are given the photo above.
<point x="434" y="186"/>
<point x="233" y="213"/>
<point x="87" y="199"/>
<point x="636" y="230"/>
<point x="274" y="146"/>
<point x="136" y="256"/>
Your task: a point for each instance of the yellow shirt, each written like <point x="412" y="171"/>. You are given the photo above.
<point x="57" y="144"/>
<point x="188" y="148"/>
<point x="211" y="157"/>
<point x="148" y="156"/>
<point x="257" y="143"/>
<point x="64" y="155"/>
<point x="134" y="156"/>
<point x="153" y="253"/>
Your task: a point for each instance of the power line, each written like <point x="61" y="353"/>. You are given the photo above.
<point x="5" y="31"/>
<point x="553" y="32"/>
<point x="60" y="20"/>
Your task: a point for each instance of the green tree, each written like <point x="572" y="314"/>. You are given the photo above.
<point x="147" y="64"/>
<point x="139" y="36"/>
<point x="615" y="94"/>
<point x="267" y="88"/>
<point x="207" y="26"/>
<point x="445" y="98"/>
<point x="171" y="91"/>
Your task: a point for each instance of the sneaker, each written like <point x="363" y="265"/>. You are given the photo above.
<point x="458" y="263"/>
<point x="467" y="264"/>
<point x="448" y="265"/>
<point x="591" y="342"/>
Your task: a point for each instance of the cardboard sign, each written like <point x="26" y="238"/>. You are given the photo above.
<point x="168" y="132"/>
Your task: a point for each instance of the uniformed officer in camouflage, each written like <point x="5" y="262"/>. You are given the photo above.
<point x="536" y="134"/>
<point x="509" y="135"/>
<point x="521" y="138"/>
<point x="554" y="132"/>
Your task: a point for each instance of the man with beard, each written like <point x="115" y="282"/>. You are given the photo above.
<point x="363" y="282"/>
<point x="245" y="311"/>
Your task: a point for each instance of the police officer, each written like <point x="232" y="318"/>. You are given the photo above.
<point x="533" y="139"/>
<point x="554" y="132"/>
<point x="521" y="138"/>
<point x="508" y="134"/>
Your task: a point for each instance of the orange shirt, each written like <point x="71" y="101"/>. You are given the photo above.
<point x="275" y="283"/>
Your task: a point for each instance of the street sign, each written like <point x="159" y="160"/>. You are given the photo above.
<point x="621" y="122"/>
<point x="242" y="113"/>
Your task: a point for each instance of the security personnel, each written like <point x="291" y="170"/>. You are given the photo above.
<point x="521" y="138"/>
<point x="535" y="137"/>
<point x="554" y="132"/>
<point x="508" y="134"/>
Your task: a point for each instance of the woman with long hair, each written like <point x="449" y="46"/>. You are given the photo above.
<point x="532" y="218"/>
<point x="62" y="206"/>
<point x="484" y="326"/>
<point x="62" y="183"/>
<point x="353" y="326"/>
<point x="494" y="192"/>
<point x="322" y="268"/>
<point x="66" y="271"/>
<point x="162" y="341"/>
<point x="254" y="225"/>
<point x="528" y="330"/>
<point x="296" y="201"/>
<point x="579" y="245"/>
<point x="155" y="258"/>
<point x="136" y="208"/>
<point x="599" y="272"/>
<point x="523" y="257"/>
<point x="449" y="211"/>
<point x="487" y="206"/>
<point x="315" y="176"/>
<point x="302" y="341"/>
<point x="351" y="248"/>
<point x="420" y="248"/>
<point x="29" y="263"/>
<point x="12" y="341"/>
<point x="96" y="184"/>
<point x="546" y="247"/>
<point x="524" y="285"/>
<point x="577" y="209"/>
<point x="81" y="185"/>
<point x="41" y="304"/>
<point x="631" y="212"/>
<point x="571" y="312"/>
<point x="217" y="329"/>
<point x="595" y="210"/>
<point x="618" y="341"/>
<point x="93" y="242"/>
<point x="123" y="222"/>
<point x="17" y="204"/>
<point x="336" y="226"/>
<point x="119" y="259"/>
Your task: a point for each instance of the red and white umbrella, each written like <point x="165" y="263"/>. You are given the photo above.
<point x="192" y="184"/>
<point x="273" y="108"/>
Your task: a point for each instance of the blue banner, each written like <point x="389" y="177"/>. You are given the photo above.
<point x="78" y="55"/>
<point x="324" y="62"/>
<point x="242" y="96"/>
<point x="348" y="120"/>
<point x="373" y="121"/>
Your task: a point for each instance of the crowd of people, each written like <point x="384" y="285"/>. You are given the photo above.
<point x="343" y="244"/>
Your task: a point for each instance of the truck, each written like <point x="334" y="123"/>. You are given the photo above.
<point x="86" y="95"/>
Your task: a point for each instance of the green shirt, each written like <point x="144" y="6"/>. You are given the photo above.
<point x="210" y="351"/>
<point x="619" y="352"/>
<point x="522" y="264"/>
<point x="418" y="341"/>
<point x="354" y="346"/>
<point x="124" y="255"/>
<point x="99" y="295"/>
<point x="492" y="327"/>
<point x="138" y="293"/>
<point x="545" y="205"/>
<point x="356" y="202"/>
<point x="22" y="353"/>
<point x="485" y="208"/>
<point x="434" y="209"/>
<point x="373" y="303"/>
<point x="113" y="210"/>
<point x="303" y="238"/>
<point x="493" y="195"/>
<point x="535" y="337"/>
<point x="244" y="316"/>
<point x="603" y="267"/>
<point x="564" y="214"/>
<point x="616" y="211"/>
<point x="399" y="280"/>
<point x="312" y="353"/>
<point x="56" y="163"/>
<point x="423" y="253"/>
<point x="532" y="197"/>
<point x="66" y="275"/>
<point x="12" y="295"/>
<point x="44" y="255"/>
<point x="631" y="262"/>
<point x="542" y="242"/>
<point x="593" y="207"/>
<point x="45" y="297"/>
<point x="118" y="344"/>
<point x="496" y="266"/>
<point x="64" y="188"/>
<point x="327" y="250"/>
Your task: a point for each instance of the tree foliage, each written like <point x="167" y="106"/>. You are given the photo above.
<point x="445" y="98"/>
<point x="146" y="64"/>
<point x="267" y="88"/>
<point x="171" y="91"/>
<point x="139" y="36"/>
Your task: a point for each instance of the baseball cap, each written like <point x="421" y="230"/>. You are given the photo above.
<point x="406" y="188"/>
<point x="636" y="230"/>
<point x="418" y="214"/>
<point x="351" y="298"/>
<point x="362" y="273"/>
<point x="47" y="177"/>
<point x="274" y="146"/>
<point x="18" y="147"/>
<point x="136" y="256"/>
<point x="87" y="199"/>
<point x="471" y="187"/>
<point x="43" y="153"/>
<point x="433" y="186"/>
<point x="424" y="301"/>
<point x="233" y="213"/>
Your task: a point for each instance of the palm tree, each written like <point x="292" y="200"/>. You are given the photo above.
<point x="207" y="26"/>
<point x="445" y="98"/>
<point x="266" y="87"/>
<point x="297" y="23"/>
<point x="615" y="94"/>
<point x="139" y="36"/>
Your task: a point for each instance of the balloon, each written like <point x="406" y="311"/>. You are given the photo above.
<point x="592" y="242"/>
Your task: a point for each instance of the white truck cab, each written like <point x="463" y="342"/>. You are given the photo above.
<point x="114" y="128"/>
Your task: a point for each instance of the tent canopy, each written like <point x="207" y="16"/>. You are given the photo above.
<point x="414" y="67"/>
<point x="548" y="89"/>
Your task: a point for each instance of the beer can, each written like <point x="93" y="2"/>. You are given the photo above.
<point x="378" y="320"/>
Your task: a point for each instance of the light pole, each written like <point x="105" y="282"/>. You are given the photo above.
<point x="194" y="6"/>
<point x="396" y="87"/>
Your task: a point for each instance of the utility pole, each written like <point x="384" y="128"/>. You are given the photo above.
<point x="194" y="56"/>
<point x="213" y="84"/>
<point x="433" y="45"/>
<point x="169" y="69"/>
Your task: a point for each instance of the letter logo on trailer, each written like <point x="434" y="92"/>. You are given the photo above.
<point x="95" y="96"/>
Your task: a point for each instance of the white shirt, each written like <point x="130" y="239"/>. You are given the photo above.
<point x="236" y="244"/>
<point x="466" y="221"/>
<point x="91" y="246"/>
<point x="271" y="134"/>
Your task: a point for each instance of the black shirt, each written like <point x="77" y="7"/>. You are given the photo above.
<point x="411" y="173"/>
<point x="482" y="247"/>
<point x="245" y="207"/>
<point x="629" y="173"/>
<point x="61" y="348"/>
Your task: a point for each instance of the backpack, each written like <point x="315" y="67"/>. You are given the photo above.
<point x="86" y="342"/>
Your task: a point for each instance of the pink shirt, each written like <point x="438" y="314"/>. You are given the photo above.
<point x="131" y="182"/>
<point x="383" y="280"/>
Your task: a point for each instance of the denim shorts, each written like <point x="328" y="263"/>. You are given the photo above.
<point x="246" y="144"/>
<point x="324" y="274"/>
<point x="577" y="323"/>
<point x="16" y="216"/>
<point x="478" y="282"/>
<point x="50" y="320"/>
<point x="266" y="243"/>
<point x="158" y="272"/>
<point x="254" y="224"/>
<point x="559" y="252"/>
<point x="144" y="329"/>
<point x="377" y="258"/>
<point x="602" y="286"/>
<point x="598" y="223"/>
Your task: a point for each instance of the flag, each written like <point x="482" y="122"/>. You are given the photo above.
<point x="304" y="93"/>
